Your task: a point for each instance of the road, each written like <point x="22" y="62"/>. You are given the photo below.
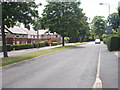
<point x="71" y="68"/>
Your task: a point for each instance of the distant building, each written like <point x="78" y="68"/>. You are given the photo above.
<point x="20" y="35"/>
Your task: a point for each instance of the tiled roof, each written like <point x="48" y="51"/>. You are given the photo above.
<point x="30" y="32"/>
<point x="21" y="30"/>
<point x="17" y="30"/>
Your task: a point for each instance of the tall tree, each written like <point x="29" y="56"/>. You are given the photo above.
<point x="64" y="18"/>
<point x="12" y="12"/>
<point x="99" y="25"/>
<point x="37" y="25"/>
<point x="113" y="19"/>
<point x="119" y="14"/>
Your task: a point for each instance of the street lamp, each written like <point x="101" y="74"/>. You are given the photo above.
<point x="109" y="28"/>
<point x="108" y="6"/>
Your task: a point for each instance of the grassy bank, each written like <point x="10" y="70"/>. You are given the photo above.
<point x="27" y="56"/>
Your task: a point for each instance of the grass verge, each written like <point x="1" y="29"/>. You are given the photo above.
<point x="27" y="56"/>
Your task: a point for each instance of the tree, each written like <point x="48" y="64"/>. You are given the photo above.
<point x="64" y="18"/>
<point x="99" y="25"/>
<point x="119" y="14"/>
<point x="12" y="12"/>
<point x="91" y="34"/>
<point x="37" y="25"/>
<point x="113" y="19"/>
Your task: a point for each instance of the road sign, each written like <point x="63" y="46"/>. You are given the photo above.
<point x="109" y="29"/>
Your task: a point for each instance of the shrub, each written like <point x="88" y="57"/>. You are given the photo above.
<point x="54" y="43"/>
<point x="36" y="45"/>
<point x="105" y="40"/>
<point x="25" y="46"/>
<point x="113" y="43"/>
<point x="42" y="44"/>
<point x="22" y="46"/>
<point x="46" y="43"/>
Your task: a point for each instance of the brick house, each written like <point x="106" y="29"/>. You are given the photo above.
<point x="20" y="35"/>
<point x="16" y="35"/>
<point x="51" y="37"/>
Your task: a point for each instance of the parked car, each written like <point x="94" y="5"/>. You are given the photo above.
<point x="97" y="41"/>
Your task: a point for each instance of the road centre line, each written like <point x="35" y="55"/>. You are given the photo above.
<point x="98" y="82"/>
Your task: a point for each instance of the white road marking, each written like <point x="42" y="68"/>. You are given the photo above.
<point x="98" y="82"/>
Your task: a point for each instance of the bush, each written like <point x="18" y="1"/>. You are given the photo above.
<point x="25" y="46"/>
<point x="46" y="43"/>
<point x="22" y="46"/>
<point x="105" y="40"/>
<point x="113" y="43"/>
<point x="36" y="45"/>
<point x="42" y="44"/>
<point x="54" y="43"/>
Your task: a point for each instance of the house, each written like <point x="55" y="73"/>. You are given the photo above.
<point x="47" y="35"/>
<point x="20" y="35"/>
<point x="16" y="35"/>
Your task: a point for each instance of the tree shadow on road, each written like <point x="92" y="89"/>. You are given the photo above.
<point x="77" y="47"/>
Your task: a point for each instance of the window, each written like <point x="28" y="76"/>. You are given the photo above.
<point x="18" y="42"/>
<point x="56" y="36"/>
<point x="42" y="36"/>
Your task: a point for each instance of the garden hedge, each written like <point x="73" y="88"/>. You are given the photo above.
<point x="28" y="46"/>
<point x="54" y="43"/>
<point x="113" y="43"/>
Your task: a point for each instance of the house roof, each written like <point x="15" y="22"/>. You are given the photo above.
<point x="17" y="30"/>
<point x="30" y="32"/>
<point x="22" y="30"/>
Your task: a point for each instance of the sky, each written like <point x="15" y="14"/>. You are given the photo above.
<point x="91" y="8"/>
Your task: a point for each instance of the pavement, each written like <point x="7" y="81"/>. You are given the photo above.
<point x="70" y="68"/>
<point x="19" y="52"/>
<point x="117" y="53"/>
<point x="109" y="68"/>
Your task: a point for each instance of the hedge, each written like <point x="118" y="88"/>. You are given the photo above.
<point x="54" y="43"/>
<point x="112" y="42"/>
<point x="28" y="46"/>
<point x="20" y="46"/>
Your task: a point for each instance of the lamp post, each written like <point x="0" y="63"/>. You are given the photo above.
<point x="109" y="28"/>
<point x="108" y="9"/>
<point x="108" y="6"/>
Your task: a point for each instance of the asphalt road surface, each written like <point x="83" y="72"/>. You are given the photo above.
<point x="71" y="68"/>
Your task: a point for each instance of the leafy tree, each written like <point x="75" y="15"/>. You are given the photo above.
<point x="113" y="19"/>
<point x="12" y="12"/>
<point x="99" y="26"/>
<point x="90" y="34"/>
<point x="119" y="14"/>
<point x="64" y="18"/>
<point x="37" y="25"/>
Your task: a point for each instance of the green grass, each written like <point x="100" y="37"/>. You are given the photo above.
<point x="27" y="56"/>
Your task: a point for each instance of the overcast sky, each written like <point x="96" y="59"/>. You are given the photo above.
<point x="91" y="8"/>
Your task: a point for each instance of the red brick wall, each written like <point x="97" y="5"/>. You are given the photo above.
<point x="12" y="40"/>
<point x="9" y="40"/>
<point x="24" y="40"/>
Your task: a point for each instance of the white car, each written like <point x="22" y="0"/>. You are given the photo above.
<point x="97" y="41"/>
